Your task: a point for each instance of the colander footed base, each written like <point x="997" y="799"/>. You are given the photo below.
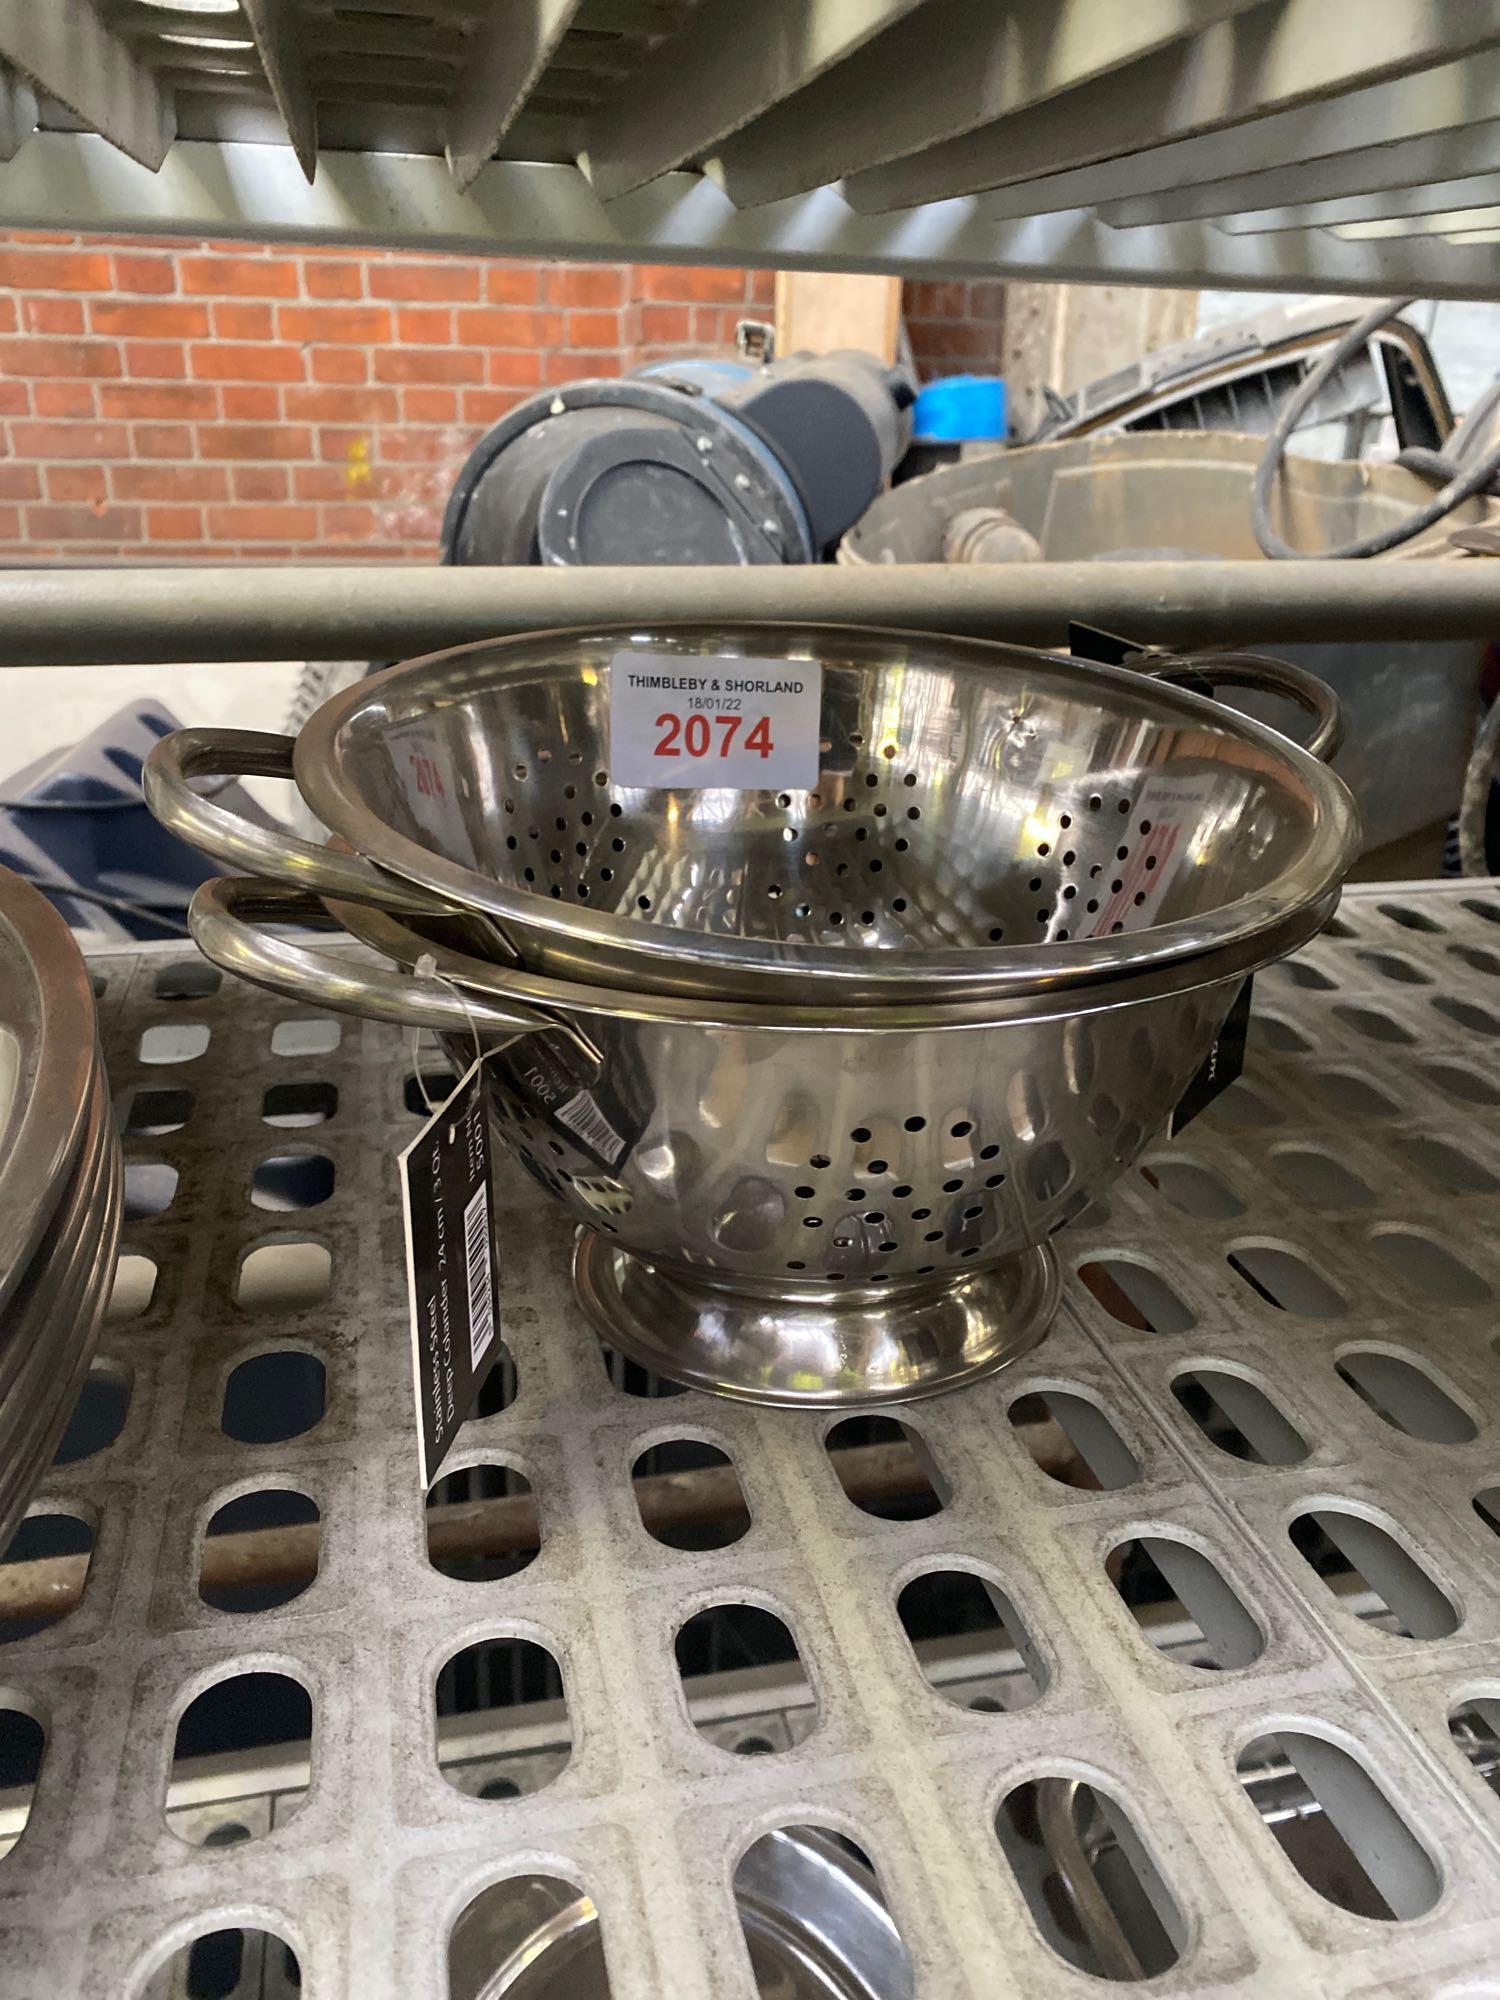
<point x="820" y="1347"/>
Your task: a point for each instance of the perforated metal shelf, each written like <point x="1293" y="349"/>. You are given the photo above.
<point x="1338" y="1204"/>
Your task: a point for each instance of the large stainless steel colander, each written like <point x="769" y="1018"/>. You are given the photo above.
<point x="795" y="1204"/>
<point x="986" y="819"/>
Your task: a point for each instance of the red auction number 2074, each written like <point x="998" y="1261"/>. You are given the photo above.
<point x="695" y="738"/>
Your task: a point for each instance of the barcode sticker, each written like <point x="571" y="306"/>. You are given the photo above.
<point x="582" y="1116"/>
<point x="481" y="1290"/>
<point x="451" y="1266"/>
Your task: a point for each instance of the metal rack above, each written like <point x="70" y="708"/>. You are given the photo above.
<point x="1277" y="145"/>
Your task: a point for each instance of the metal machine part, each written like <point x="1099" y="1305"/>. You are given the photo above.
<point x="1459" y="482"/>
<point x="988" y="535"/>
<point x="1353" y="1172"/>
<point x="686" y="462"/>
<point x="1237" y="377"/>
<point x="1111" y="821"/>
<point x="1180" y="499"/>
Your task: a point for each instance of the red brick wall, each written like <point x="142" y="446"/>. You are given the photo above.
<point x="227" y="401"/>
<point x="956" y="325"/>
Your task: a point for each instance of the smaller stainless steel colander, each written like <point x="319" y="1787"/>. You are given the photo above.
<point x="808" y="1204"/>
<point x="987" y="820"/>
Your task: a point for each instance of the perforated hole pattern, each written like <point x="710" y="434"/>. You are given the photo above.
<point x="846" y="864"/>
<point x="647" y="1815"/>
<point x="1083" y="813"/>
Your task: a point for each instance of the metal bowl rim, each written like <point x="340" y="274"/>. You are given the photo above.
<point x="1329" y="848"/>
<point x="395" y="939"/>
<point x="47" y="1002"/>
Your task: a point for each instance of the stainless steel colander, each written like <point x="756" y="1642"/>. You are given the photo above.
<point x="985" y="820"/>
<point x="794" y="1204"/>
<point x="60" y="1186"/>
<point x="816" y="1928"/>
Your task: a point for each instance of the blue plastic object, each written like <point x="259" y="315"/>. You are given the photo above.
<point x="76" y="819"/>
<point x="959" y="408"/>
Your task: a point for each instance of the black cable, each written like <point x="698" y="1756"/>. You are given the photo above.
<point x="122" y="905"/>
<point x="70" y="805"/>
<point x="1462" y="488"/>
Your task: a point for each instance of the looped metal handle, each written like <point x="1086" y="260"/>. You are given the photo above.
<point x="270" y="852"/>
<point x="1257" y="671"/>
<point x="1056" y="1808"/>
<point x="227" y="916"/>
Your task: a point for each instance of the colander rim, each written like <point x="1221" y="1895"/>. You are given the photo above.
<point x="394" y="937"/>
<point x="47" y="1011"/>
<point x="1326" y="852"/>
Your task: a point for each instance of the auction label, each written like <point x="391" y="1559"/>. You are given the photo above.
<point x="424" y="772"/>
<point x="698" y="721"/>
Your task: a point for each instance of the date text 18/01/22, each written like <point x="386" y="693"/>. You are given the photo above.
<point x="700" y="721"/>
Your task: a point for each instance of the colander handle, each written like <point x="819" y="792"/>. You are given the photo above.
<point x="227" y="918"/>
<point x="273" y="853"/>
<point x="1264" y="675"/>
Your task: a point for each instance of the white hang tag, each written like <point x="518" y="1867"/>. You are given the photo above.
<point x="702" y="722"/>
<point x="1173" y="809"/>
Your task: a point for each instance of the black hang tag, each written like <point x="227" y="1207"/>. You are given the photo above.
<point x="451" y="1265"/>
<point x="1220" y="1066"/>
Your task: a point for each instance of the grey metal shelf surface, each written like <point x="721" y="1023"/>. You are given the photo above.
<point x="1371" y="1054"/>
<point x="1266" y="144"/>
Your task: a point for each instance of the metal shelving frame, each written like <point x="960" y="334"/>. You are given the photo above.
<point x="1268" y="144"/>
<point x="1373" y="1053"/>
<point x="1254" y="144"/>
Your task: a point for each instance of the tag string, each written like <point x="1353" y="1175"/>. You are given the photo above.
<point x="427" y="968"/>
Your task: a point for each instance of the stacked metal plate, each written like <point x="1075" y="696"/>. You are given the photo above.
<point x="60" y="1187"/>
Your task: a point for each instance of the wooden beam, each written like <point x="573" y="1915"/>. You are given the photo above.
<point x="820" y="311"/>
